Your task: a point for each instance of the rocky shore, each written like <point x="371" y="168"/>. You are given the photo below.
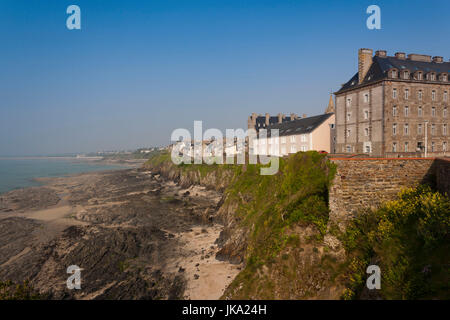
<point x="134" y="234"/>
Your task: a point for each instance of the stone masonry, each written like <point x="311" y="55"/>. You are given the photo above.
<point x="367" y="183"/>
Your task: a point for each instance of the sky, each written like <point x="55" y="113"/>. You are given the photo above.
<point x="137" y="70"/>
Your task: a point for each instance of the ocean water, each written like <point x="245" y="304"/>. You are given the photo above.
<point x="18" y="173"/>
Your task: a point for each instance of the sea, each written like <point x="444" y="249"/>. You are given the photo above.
<point x="16" y="173"/>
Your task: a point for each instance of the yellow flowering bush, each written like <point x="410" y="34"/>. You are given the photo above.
<point x="410" y="238"/>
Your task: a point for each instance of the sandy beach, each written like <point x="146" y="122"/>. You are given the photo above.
<point x="133" y="234"/>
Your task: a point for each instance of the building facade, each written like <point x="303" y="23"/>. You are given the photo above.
<point x="304" y="134"/>
<point x="395" y="106"/>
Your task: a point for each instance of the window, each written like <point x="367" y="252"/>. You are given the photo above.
<point x="406" y="128"/>
<point x="349" y="116"/>
<point x="283" y="139"/>
<point x="444" y="77"/>
<point x="433" y="95"/>
<point x="444" y="129"/>
<point x="419" y="76"/>
<point x="394" y="74"/>
<point x="406" y="111"/>
<point x="262" y="141"/>
<point x="366" y="114"/>
<point x="406" y="94"/>
<point x="348" y="132"/>
<point x="283" y="150"/>
<point x="419" y="111"/>
<point x="405" y="75"/>
<point x="366" y="97"/>
<point x="293" y="149"/>
<point x="433" y="129"/>
<point x="419" y="95"/>
<point x="444" y="112"/>
<point x="433" y="111"/>
<point x="394" y="111"/>
<point x="394" y="147"/>
<point x="433" y="147"/>
<point x="444" y="146"/>
<point x="406" y="146"/>
<point x="304" y="148"/>
<point x="349" y="102"/>
<point x="432" y="77"/>
<point x="367" y="149"/>
<point x="445" y="95"/>
<point x="419" y="128"/>
<point x="394" y="93"/>
<point x="292" y="138"/>
<point x="394" y="129"/>
<point x="349" y="149"/>
<point x="303" y="137"/>
<point x="332" y="126"/>
<point x="366" y="132"/>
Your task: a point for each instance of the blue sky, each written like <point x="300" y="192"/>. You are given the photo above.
<point x="139" y="69"/>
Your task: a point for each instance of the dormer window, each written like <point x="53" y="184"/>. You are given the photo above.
<point x="444" y="77"/>
<point x="419" y="75"/>
<point x="394" y="74"/>
<point x="432" y="76"/>
<point x="405" y="74"/>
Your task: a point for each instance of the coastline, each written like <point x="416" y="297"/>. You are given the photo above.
<point x="134" y="234"/>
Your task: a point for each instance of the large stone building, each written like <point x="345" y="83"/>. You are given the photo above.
<point x="395" y="106"/>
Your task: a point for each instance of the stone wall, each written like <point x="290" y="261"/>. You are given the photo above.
<point x="443" y="175"/>
<point x="366" y="183"/>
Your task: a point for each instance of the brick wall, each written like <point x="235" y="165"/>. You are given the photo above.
<point x="366" y="183"/>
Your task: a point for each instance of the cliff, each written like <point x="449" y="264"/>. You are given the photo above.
<point x="280" y="227"/>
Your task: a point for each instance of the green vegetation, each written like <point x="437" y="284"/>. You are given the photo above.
<point x="408" y="239"/>
<point x="285" y="217"/>
<point x="12" y="291"/>
<point x="272" y="207"/>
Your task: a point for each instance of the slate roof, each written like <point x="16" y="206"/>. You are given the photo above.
<point x="299" y="126"/>
<point x="261" y="121"/>
<point x="380" y="66"/>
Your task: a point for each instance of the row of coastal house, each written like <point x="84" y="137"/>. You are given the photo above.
<point x="394" y="106"/>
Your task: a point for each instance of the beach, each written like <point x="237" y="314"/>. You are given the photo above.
<point x="134" y="235"/>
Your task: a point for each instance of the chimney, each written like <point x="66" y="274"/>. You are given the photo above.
<point x="304" y="115"/>
<point x="293" y="116"/>
<point x="280" y="117"/>
<point x="267" y="119"/>
<point x="364" y="62"/>
<point x="438" y="59"/>
<point x="400" y="55"/>
<point x="419" y="57"/>
<point x="381" y="53"/>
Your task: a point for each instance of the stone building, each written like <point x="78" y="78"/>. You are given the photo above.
<point x="395" y="106"/>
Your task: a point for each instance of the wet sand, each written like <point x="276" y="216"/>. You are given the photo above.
<point x="135" y="236"/>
